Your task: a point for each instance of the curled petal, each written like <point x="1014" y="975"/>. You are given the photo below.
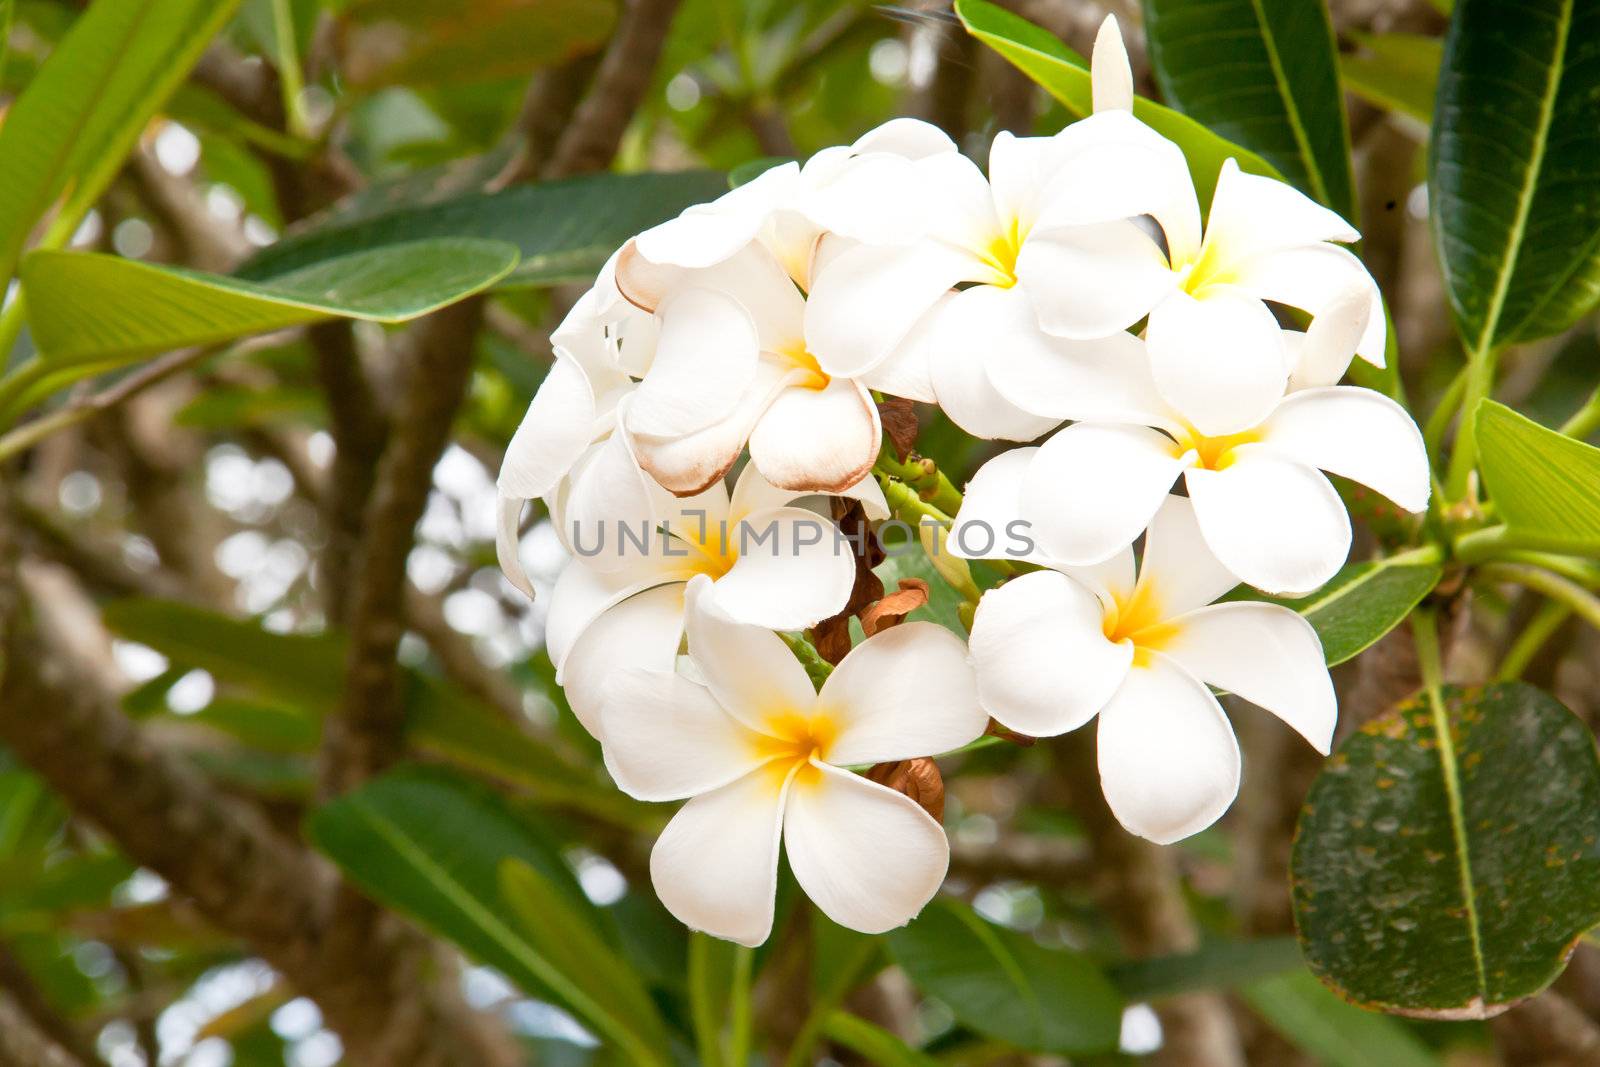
<point x="1169" y="763"/>
<point x="817" y="440"/>
<point x="694" y="462"/>
<point x="582" y="594"/>
<point x="793" y="570"/>
<point x="1265" y="653"/>
<point x="1251" y="214"/>
<point x="1314" y="278"/>
<point x="1323" y="353"/>
<point x="508" y="542"/>
<point x="965" y="336"/>
<point x="1043" y="663"/>
<point x="644" y="631"/>
<point x="1111" y="77"/>
<point x="868" y="856"/>
<point x="705" y="362"/>
<point x="1277" y="524"/>
<point x="908" y="691"/>
<point x="707" y="234"/>
<point x="715" y="866"/>
<point x="983" y="528"/>
<point x="1357" y="434"/>
<point x="557" y="428"/>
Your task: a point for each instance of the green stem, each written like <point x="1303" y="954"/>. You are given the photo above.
<point x="1545" y="622"/>
<point x="1502" y="542"/>
<point x="1480" y="380"/>
<point x="828" y="1000"/>
<point x="702" y="1002"/>
<point x="1443" y="414"/>
<point x="1563" y="590"/>
<point x="290" y="76"/>
<point x="739" y="1007"/>
<point x="817" y="668"/>
<point x="923" y="476"/>
<point x="1586" y="420"/>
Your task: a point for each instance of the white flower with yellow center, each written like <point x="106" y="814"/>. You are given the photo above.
<point x="617" y="604"/>
<point x="761" y="757"/>
<point x="1121" y="241"/>
<point x="1054" y="648"/>
<point x="1259" y="495"/>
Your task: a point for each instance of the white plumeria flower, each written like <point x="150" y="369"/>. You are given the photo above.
<point x="1054" y="648"/>
<point x="727" y="283"/>
<point x="601" y="338"/>
<point x="1262" y="503"/>
<point x="762" y="757"/>
<point x="1219" y="355"/>
<point x="889" y="309"/>
<point x="769" y="563"/>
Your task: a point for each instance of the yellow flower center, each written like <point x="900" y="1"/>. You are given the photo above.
<point x="1210" y="267"/>
<point x="1215" y="453"/>
<point x="1140" y="620"/>
<point x="792" y="739"/>
<point x="1000" y="254"/>
<point x="794" y="353"/>
<point x="713" y="550"/>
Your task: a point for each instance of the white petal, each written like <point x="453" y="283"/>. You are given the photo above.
<point x="1278" y="525"/>
<point x="868" y="856"/>
<point x="1322" y="354"/>
<point x="1111" y="78"/>
<point x="608" y="490"/>
<point x="1314" y="278"/>
<point x="964" y="214"/>
<point x="715" y="866"/>
<point x="1266" y="654"/>
<point x="583" y="593"/>
<point x="667" y="738"/>
<point x="1019" y="171"/>
<point x="705" y="363"/>
<point x="556" y="430"/>
<point x="1357" y="434"/>
<point x="750" y="670"/>
<point x="1169" y="763"/>
<point x="707" y="234"/>
<point x="1094" y="486"/>
<point x="793" y="570"/>
<point x="1177" y="566"/>
<point x="643" y="631"/>
<point x="508" y="541"/>
<point x="992" y="503"/>
<point x="1220" y="361"/>
<point x="1044" y="665"/>
<point x="961" y="342"/>
<point x="905" y="692"/>
<point x="1093" y="280"/>
<point x="905" y="371"/>
<point x="875" y="198"/>
<point x="1106" y="379"/>
<point x="911" y="138"/>
<point x="752" y="493"/>
<point x="865" y="301"/>
<point x="1112" y="166"/>
<point x="693" y="462"/>
<point x="1251" y="214"/>
<point x="817" y="440"/>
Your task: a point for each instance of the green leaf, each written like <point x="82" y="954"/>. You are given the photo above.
<point x="1363" y="602"/>
<point x="1445" y="864"/>
<point x="1278" y="92"/>
<point x="622" y="1007"/>
<point x="1546" y="486"/>
<point x="873" y="1043"/>
<point x="84" y="307"/>
<point x="1006" y="985"/>
<point x="70" y="130"/>
<point x="432" y="846"/>
<point x="1336" y="1034"/>
<point x="1064" y="75"/>
<point x="1513" y="165"/>
<point x="1216" y="965"/>
<point x="565" y="230"/>
<point x="1398" y="72"/>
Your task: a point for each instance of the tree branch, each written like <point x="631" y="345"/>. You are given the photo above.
<point x="22" y="1044"/>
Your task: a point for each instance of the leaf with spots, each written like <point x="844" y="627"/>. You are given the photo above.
<point x="1448" y="855"/>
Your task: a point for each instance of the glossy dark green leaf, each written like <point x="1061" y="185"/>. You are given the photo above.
<point x="564" y="230"/>
<point x="1006" y="985"/>
<point x="1363" y="602"/>
<point x="1513" y="166"/>
<point x="1277" y="92"/>
<point x="615" y="1001"/>
<point x="432" y="846"/>
<point x="69" y="131"/>
<point x="1447" y="861"/>
<point x="1064" y="74"/>
<point x="1333" y="1033"/>
<point x="1216" y="965"/>
<point x="85" y="307"/>
<point x="1546" y="486"/>
<point x="1395" y="71"/>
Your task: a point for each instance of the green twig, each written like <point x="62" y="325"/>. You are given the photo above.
<point x="923" y="476"/>
<point x="290" y="76"/>
<point x="739" y="1007"/>
<point x="1563" y="590"/>
<point x="1586" y="420"/>
<point x="1479" y="382"/>
<point x="1545" y="622"/>
<point x="1443" y="414"/>
<point x="828" y="1000"/>
<point x="702" y="1004"/>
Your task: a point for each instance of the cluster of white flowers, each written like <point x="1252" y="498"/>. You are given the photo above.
<point x="1075" y="282"/>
